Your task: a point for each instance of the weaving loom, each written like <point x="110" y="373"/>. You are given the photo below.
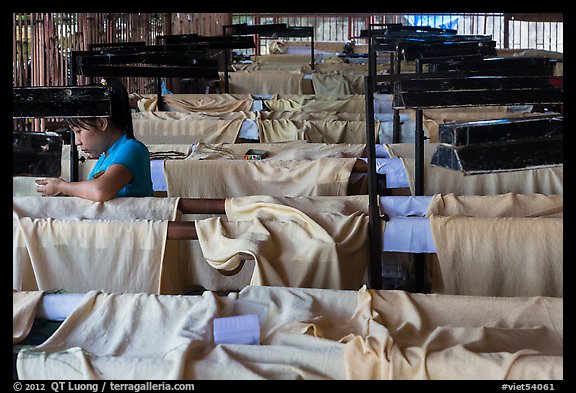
<point x="460" y="73"/>
<point x="265" y="30"/>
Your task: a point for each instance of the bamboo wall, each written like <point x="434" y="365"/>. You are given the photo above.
<point x="43" y="42"/>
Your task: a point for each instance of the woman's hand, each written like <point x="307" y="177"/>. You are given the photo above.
<point x="50" y="186"/>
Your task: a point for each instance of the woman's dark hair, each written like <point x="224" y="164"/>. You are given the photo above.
<point x="120" y="109"/>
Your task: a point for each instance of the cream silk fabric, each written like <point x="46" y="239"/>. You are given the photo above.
<point x="266" y="82"/>
<point x="198" y="102"/>
<point x="197" y="272"/>
<point x="312" y="206"/>
<point x="80" y="255"/>
<point x="290" y="67"/>
<point x="24" y="305"/>
<point x="437" y="180"/>
<point x="165" y="115"/>
<point x="497" y="245"/>
<point x="176" y="131"/>
<point x="293" y="115"/>
<point x="225" y="178"/>
<point x="282" y="59"/>
<point x="338" y="83"/>
<point x="123" y="209"/>
<point x="290" y="247"/>
<point x="504" y="205"/>
<point x="401" y="335"/>
<point x="77" y="245"/>
<point x="315" y="131"/>
<point x="311" y="334"/>
<point x="352" y="103"/>
<point x="498" y="256"/>
<point x="294" y="150"/>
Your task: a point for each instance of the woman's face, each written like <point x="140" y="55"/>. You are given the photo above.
<point x="90" y="139"/>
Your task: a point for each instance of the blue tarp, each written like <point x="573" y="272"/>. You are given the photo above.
<point x="443" y="21"/>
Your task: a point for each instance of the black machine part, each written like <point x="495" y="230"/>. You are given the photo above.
<point x="502" y="145"/>
<point x="36" y="154"/>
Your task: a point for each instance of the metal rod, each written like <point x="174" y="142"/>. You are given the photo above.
<point x="202" y="205"/>
<point x="375" y="229"/>
<point x="73" y="149"/>
<point x="159" y="93"/>
<point x="419" y="146"/>
<point x="419" y="263"/>
<point x="312" y="62"/>
<point x="182" y="230"/>
<point x="395" y="66"/>
<point x="226" y="61"/>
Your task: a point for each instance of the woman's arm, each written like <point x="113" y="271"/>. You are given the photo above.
<point x="100" y="189"/>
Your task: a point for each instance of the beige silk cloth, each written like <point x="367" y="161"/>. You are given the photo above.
<point x="294" y="150"/>
<point x="348" y="68"/>
<point x="315" y="131"/>
<point x="166" y="115"/>
<point x="476" y="256"/>
<point x="229" y="178"/>
<point x="338" y="83"/>
<point x="265" y="82"/>
<point x="121" y="208"/>
<point x="281" y="130"/>
<point x="291" y="67"/>
<point x="397" y="335"/>
<point x="312" y="206"/>
<point x="293" y="115"/>
<point x="176" y="131"/>
<point x="170" y="337"/>
<point x="198" y="102"/>
<point x="498" y="256"/>
<point x="353" y="103"/>
<point x="281" y="59"/>
<point x="161" y="151"/>
<point x="290" y="248"/>
<point x="437" y="180"/>
<point x="224" y="178"/>
<point x="24" y="304"/>
<point x="332" y="47"/>
<point x="77" y="245"/>
<point x="504" y="205"/>
<point x="196" y="272"/>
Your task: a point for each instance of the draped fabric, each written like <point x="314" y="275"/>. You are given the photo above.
<point x="24" y="305"/>
<point x="290" y="247"/>
<point x="498" y="256"/>
<point x="76" y="245"/>
<point x="225" y="178"/>
<point x="312" y="334"/>
<point x="198" y="102"/>
<point x="267" y="82"/>
<point x="185" y="130"/>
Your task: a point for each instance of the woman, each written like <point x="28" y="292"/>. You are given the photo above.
<point x="123" y="166"/>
